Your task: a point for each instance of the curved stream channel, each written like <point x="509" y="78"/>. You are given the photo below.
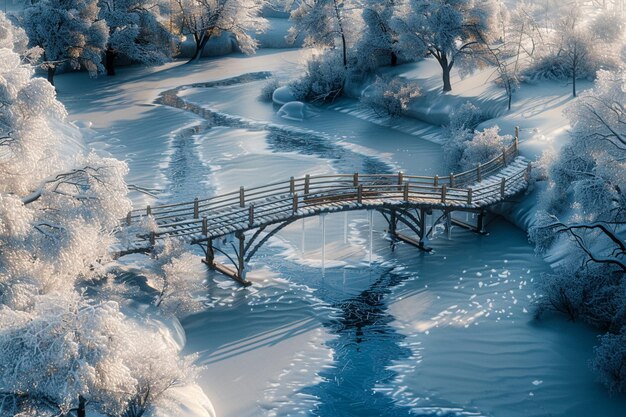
<point x="361" y="328"/>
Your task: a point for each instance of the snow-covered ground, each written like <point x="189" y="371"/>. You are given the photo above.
<point x="446" y="333"/>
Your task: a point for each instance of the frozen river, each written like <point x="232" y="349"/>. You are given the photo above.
<point x="357" y="328"/>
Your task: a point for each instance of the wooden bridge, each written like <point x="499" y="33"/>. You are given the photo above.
<point x="255" y="214"/>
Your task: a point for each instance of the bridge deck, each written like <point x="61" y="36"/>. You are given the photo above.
<point x="247" y="209"/>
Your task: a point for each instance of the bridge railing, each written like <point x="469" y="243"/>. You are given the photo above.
<point x="296" y="193"/>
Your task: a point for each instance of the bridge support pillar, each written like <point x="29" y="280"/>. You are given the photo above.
<point x="210" y="254"/>
<point x="238" y="274"/>
<point x="480" y="222"/>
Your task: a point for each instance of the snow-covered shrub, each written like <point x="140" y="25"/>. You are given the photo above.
<point x="390" y="96"/>
<point x="324" y="78"/>
<point x="609" y="361"/>
<point x="485" y="145"/>
<point x="463" y="120"/>
<point x="268" y="89"/>
<point x="177" y="280"/>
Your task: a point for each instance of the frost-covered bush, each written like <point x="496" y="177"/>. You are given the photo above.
<point x="323" y="80"/>
<point x="609" y="361"/>
<point x="268" y="89"/>
<point x="177" y="279"/>
<point x="463" y="122"/>
<point x="485" y="145"/>
<point x="390" y="96"/>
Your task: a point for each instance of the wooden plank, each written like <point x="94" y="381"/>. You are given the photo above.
<point x="229" y="272"/>
<point x="411" y="241"/>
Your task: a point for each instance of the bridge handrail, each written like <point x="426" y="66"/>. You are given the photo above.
<point x="331" y="183"/>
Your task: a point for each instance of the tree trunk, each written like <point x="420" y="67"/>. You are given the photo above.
<point x="447" y="86"/>
<point x="345" y="50"/>
<point x="394" y="59"/>
<point x="574" y="80"/>
<point x="109" y="61"/>
<point x="51" y="71"/>
<point x="81" y="407"/>
<point x="510" y="94"/>
<point x="200" y="44"/>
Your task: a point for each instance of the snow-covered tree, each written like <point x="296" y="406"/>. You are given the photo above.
<point x="136" y="31"/>
<point x="69" y="32"/>
<point x="452" y="31"/>
<point x="322" y="22"/>
<point x="58" y="203"/>
<point x="204" y="19"/>
<point x="576" y="48"/>
<point x="67" y="353"/>
<point x="377" y="40"/>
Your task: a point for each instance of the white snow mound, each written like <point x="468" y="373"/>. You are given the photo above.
<point x="295" y="110"/>
<point x="283" y="95"/>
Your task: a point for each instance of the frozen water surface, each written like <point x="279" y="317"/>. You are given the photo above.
<point x="448" y="333"/>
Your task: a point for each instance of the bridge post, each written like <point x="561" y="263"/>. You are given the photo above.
<point x="443" y="193"/>
<point x="148" y="210"/>
<point x="251" y="215"/>
<point x="242" y="197"/>
<point x="307" y="180"/>
<point x="196" y="208"/>
<point x="294" y="207"/>
<point x="436" y="181"/>
<point x="504" y="156"/>
<point x="529" y="167"/>
<point x="400" y="180"/>
<point x="406" y="192"/>
<point x="292" y="185"/>
<point x="355" y="179"/>
<point x="451" y="180"/>
<point x="205" y="226"/>
<point x="469" y="196"/>
<point x="152" y="238"/>
<point x="129" y="218"/>
<point x="359" y="193"/>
